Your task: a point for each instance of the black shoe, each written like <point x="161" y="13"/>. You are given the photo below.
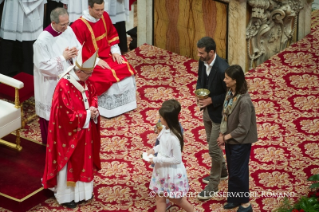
<point x="231" y="205"/>
<point x="206" y="179"/>
<point x="224" y="177"/>
<point x="70" y="204"/>
<point x="205" y="195"/>
<point x="242" y="209"/>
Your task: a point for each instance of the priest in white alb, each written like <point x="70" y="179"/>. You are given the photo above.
<point x="54" y="51"/>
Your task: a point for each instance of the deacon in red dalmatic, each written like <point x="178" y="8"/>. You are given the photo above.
<point x="96" y="32"/>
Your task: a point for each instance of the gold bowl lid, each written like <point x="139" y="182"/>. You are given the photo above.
<point x="202" y="93"/>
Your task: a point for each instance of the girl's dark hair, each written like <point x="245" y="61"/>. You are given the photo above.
<point x="169" y="111"/>
<point x="236" y="73"/>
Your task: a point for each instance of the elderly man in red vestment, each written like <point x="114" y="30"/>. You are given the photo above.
<point x="73" y="144"/>
<point x="96" y="32"/>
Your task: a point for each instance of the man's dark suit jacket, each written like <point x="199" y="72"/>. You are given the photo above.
<point x="216" y="86"/>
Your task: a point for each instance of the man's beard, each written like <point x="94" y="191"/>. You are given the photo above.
<point x="205" y="59"/>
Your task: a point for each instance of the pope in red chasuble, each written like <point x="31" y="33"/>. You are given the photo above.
<point x="73" y="145"/>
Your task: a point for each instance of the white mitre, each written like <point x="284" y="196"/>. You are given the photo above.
<point x="87" y="66"/>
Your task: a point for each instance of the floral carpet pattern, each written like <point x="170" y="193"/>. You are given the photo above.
<point x="285" y="92"/>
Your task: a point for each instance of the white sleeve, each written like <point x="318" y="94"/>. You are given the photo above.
<point x="51" y="67"/>
<point x="29" y="6"/>
<point x="177" y="154"/>
<point x="115" y="49"/>
<point x="87" y="120"/>
<point x="156" y="148"/>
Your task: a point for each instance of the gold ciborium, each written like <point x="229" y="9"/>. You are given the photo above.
<point x="158" y="127"/>
<point x="202" y="93"/>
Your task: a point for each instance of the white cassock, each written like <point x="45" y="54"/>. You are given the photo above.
<point x="76" y="8"/>
<point x="48" y="64"/>
<point x="118" y="10"/>
<point x="22" y="20"/>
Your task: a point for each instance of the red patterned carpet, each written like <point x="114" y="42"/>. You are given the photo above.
<point x="285" y="92"/>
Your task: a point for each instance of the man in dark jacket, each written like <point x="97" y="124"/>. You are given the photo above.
<point x="211" y="74"/>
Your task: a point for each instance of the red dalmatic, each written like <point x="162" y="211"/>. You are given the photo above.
<point x="68" y="143"/>
<point x="101" y="35"/>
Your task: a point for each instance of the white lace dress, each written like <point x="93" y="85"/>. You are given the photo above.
<point x="169" y="178"/>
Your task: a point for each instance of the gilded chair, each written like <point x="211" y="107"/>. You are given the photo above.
<point x="24" y="96"/>
<point x="10" y="114"/>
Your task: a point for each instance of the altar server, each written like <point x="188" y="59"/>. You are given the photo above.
<point x="54" y="51"/>
<point x="22" y="22"/>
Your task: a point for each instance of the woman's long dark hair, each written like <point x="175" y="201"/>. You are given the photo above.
<point x="169" y="111"/>
<point x="236" y="73"/>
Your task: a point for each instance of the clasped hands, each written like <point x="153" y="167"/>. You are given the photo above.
<point x="116" y="57"/>
<point x="70" y="53"/>
<point x="150" y="152"/>
<point x="222" y="139"/>
<point x="94" y="112"/>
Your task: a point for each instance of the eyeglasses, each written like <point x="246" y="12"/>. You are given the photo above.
<point x="89" y="74"/>
<point x="64" y="25"/>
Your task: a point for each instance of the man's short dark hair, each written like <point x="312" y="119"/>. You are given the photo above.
<point x="92" y="2"/>
<point x="208" y="43"/>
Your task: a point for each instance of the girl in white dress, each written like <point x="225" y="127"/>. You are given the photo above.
<point x="169" y="178"/>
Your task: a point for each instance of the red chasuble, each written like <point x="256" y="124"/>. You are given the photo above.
<point x="101" y="35"/>
<point x="68" y="143"/>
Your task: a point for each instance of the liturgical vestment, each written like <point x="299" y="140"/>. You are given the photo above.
<point x="48" y="64"/>
<point x="73" y="145"/>
<point x="101" y="35"/>
<point x="22" y="20"/>
<point x="76" y="8"/>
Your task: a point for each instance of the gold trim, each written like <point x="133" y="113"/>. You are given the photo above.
<point x="101" y="37"/>
<point x="104" y="24"/>
<point x="92" y="33"/>
<point x="17" y="102"/>
<point x="70" y="183"/>
<point x="113" y="39"/>
<point x="24" y="198"/>
<point x="114" y="75"/>
<point x="129" y="67"/>
<point x="83" y="69"/>
<point x="30" y="118"/>
<point x="12" y="145"/>
<point x="17" y="145"/>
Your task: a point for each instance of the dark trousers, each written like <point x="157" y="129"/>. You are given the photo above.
<point x="237" y="156"/>
<point x="44" y="126"/>
<point x="121" y="31"/>
<point x="15" y="57"/>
